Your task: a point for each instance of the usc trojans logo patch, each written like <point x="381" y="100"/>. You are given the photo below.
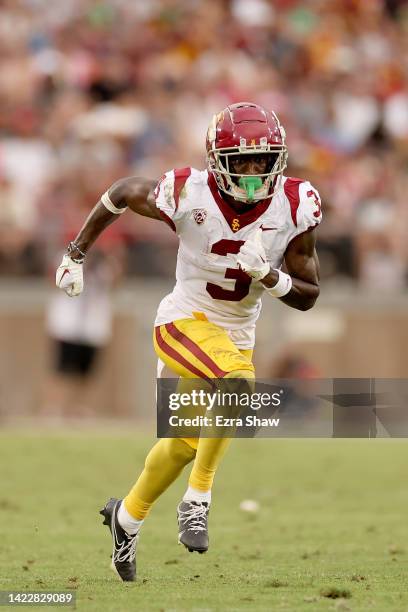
<point x="235" y="225"/>
<point x="199" y="215"/>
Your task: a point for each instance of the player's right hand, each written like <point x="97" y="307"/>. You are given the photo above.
<point x="251" y="257"/>
<point x="69" y="276"/>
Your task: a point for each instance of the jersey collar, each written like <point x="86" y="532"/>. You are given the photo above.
<point x="235" y="220"/>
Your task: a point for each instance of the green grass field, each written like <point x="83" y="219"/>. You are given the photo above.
<point x="332" y="521"/>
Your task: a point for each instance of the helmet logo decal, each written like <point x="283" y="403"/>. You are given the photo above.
<point x="212" y="130"/>
<point x="235" y="225"/>
<point x="199" y="215"/>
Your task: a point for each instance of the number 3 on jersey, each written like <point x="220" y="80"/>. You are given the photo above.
<point x="242" y="280"/>
<point x="312" y="194"/>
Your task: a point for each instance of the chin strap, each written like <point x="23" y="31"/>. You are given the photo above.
<point x="250" y="184"/>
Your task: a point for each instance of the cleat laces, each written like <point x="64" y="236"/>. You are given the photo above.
<point x="125" y="551"/>
<point x="195" y="516"/>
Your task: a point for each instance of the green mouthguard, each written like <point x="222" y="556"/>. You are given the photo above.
<point x="250" y="184"/>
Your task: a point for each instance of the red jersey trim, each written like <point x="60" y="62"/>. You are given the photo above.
<point x="229" y="213"/>
<point x="167" y="220"/>
<point x="180" y="178"/>
<point x="291" y="188"/>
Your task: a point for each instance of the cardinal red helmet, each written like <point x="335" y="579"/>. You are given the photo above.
<point x="246" y="129"/>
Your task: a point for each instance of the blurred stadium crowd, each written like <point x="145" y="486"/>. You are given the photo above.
<point x="91" y="90"/>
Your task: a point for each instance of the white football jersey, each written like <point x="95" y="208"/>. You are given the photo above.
<point x="209" y="230"/>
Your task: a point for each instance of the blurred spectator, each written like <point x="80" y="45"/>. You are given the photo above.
<point x="300" y="402"/>
<point x="91" y="90"/>
<point x="291" y="364"/>
<point x="79" y="330"/>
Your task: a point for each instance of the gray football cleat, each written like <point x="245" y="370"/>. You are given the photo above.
<point x="193" y="525"/>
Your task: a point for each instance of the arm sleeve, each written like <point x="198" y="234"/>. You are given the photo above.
<point x="309" y="213"/>
<point x="170" y="194"/>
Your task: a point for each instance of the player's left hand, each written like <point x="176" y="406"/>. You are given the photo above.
<point x="252" y="257"/>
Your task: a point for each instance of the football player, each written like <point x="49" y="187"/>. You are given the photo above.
<point x="245" y="231"/>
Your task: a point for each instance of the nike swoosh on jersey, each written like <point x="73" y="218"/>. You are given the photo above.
<point x="268" y="229"/>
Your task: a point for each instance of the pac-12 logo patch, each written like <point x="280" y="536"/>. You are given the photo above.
<point x="199" y="215"/>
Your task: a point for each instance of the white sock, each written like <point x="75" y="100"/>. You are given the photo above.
<point x="127" y="521"/>
<point x="197" y="496"/>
